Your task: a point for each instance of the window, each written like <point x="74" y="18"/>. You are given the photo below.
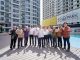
<point x="27" y="5"/>
<point x="27" y="9"/>
<point x="34" y="11"/>
<point x="15" y="15"/>
<point x="23" y="21"/>
<point x="2" y="8"/>
<point x="7" y="20"/>
<point x="71" y="3"/>
<point x="34" y="18"/>
<point x="66" y="2"/>
<point x="15" y="24"/>
<point x="15" y="6"/>
<point x="27" y="13"/>
<point x="77" y="1"/>
<point x="14" y="10"/>
<point x="6" y="15"/>
<point x="28" y="1"/>
<point x="66" y="5"/>
<point x="34" y="7"/>
<point x="2" y="18"/>
<point x="27" y="17"/>
<point x="15" y="1"/>
<point x="2" y="2"/>
<point x="15" y="20"/>
<point x="71" y="7"/>
<point x="2" y="13"/>
<point x="28" y="21"/>
<point x="77" y="5"/>
<point x="71" y="0"/>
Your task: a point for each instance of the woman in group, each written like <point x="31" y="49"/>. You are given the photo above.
<point x="66" y="36"/>
<point x="31" y="36"/>
<point x="54" y="36"/>
<point x="46" y="41"/>
<point x="20" y="34"/>
<point x="50" y="35"/>
<point x="59" y="36"/>
<point x="35" y="35"/>
<point x="40" y="37"/>
<point x="26" y="34"/>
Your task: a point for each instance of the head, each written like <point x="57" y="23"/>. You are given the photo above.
<point x="60" y="26"/>
<point x="56" y="27"/>
<point x="65" y="24"/>
<point x="53" y="27"/>
<point x="26" y="27"/>
<point x="14" y="27"/>
<point x="20" y="27"/>
<point x="45" y="27"/>
<point x="49" y="27"/>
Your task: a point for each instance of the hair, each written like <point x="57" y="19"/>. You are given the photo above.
<point x="65" y="23"/>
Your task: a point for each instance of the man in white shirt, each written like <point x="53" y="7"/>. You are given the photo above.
<point x="31" y="33"/>
<point x="46" y="32"/>
<point x="40" y="37"/>
<point x="35" y="35"/>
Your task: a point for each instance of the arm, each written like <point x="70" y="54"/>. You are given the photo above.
<point x="10" y="32"/>
<point x="69" y="29"/>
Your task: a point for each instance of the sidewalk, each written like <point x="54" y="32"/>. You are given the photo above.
<point x="33" y="53"/>
<point x="4" y="33"/>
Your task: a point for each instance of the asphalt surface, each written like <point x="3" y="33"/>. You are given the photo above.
<point x="4" y="40"/>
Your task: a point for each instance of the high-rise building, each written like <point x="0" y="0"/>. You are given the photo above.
<point x="64" y="6"/>
<point x="65" y="11"/>
<point x="48" y="9"/>
<point x="9" y="13"/>
<point x="30" y="12"/>
<point x="58" y="7"/>
<point x="19" y="12"/>
<point x="2" y="12"/>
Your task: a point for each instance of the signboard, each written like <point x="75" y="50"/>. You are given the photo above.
<point x="49" y="22"/>
<point x="70" y="17"/>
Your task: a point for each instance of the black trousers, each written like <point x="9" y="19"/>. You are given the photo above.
<point x="13" y="43"/>
<point x="50" y="39"/>
<point x="60" y="42"/>
<point x="35" y="40"/>
<point x="39" y="41"/>
<point x="54" y="42"/>
<point x="20" y="42"/>
<point x="31" y="39"/>
<point x="66" y="40"/>
<point x="25" y="41"/>
<point x="46" y="41"/>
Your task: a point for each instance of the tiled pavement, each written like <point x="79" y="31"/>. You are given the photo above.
<point x="33" y="53"/>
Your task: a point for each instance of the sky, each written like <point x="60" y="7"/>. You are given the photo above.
<point x="41" y="11"/>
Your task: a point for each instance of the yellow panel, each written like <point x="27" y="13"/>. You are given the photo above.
<point x="51" y="21"/>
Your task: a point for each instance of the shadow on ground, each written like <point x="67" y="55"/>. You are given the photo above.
<point x="45" y="51"/>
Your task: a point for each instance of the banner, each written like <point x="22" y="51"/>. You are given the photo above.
<point x="50" y="21"/>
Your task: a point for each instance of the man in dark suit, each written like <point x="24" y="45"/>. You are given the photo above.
<point x="13" y="38"/>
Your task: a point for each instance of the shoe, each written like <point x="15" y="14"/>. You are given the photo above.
<point x="22" y="46"/>
<point x="64" y="48"/>
<point x="11" y="48"/>
<point x="68" y="50"/>
<point x="18" y="47"/>
<point x="14" y="47"/>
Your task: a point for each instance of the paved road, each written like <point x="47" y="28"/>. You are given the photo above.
<point x="4" y="40"/>
<point x="33" y="53"/>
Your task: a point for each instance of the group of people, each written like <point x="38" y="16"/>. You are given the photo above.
<point x="41" y="36"/>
